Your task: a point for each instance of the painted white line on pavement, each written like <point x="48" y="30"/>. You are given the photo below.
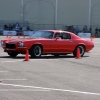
<point x="3" y="71"/>
<point x="15" y="61"/>
<point x="52" y="89"/>
<point x="2" y="53"/>
<point x="10" y="61"/>
<point x="14" y="79"/>
<point x="4" y="90"/>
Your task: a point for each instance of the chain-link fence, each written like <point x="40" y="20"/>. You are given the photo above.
<point x="31" y="26"/>
<point x="94" y="29"/>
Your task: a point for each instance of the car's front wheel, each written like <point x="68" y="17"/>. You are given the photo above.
<point x="12" y="54"/>
<point x="82" y="50"/>
<point x="36" y="51"/>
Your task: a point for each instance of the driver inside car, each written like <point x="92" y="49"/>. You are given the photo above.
<point x="58" y="35"/>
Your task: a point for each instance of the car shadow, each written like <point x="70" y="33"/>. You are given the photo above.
<point x="42" y="57"/>
<point x="5" y="57"/>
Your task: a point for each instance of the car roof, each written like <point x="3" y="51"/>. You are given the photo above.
<point x="74" y="36"/>
<point x="56" y="31"/>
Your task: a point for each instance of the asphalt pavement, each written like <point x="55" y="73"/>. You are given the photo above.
<point x="51" y="78"/>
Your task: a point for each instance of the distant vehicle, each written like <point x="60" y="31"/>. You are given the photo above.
<point x="55" y="42"/>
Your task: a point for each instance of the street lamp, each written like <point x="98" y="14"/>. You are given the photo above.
<point x="89" y="19"/>
<point x="54" y="6"/>
<point x="22" y="4"/>
<point x="56" y="12"/>
<point x="23" y="7"/>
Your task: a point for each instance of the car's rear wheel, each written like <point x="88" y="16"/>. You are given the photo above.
<point x="82" y="50"/>
<point x="36" y="51"/>
<point x="12" y="54"/>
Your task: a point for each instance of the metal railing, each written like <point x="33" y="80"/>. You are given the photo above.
<point x="32" y="26"/>
<point x="36" y="27"/>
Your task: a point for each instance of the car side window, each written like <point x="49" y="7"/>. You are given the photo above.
<point x="66" y="36"/>
<point x="57" y="35"/>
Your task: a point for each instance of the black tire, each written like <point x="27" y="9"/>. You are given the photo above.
<point x="12" y="54"/>
<point x="56" y="55"/>
<point x="36" y="51"/>
<point x="82" y="50"/>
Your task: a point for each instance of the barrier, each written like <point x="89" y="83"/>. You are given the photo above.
<point x="84" y="35"/>
<point x="9" y="33"/>
<point x="28" y="33"/>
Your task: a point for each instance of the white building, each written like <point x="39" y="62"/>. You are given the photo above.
<point x="64" y="12"/>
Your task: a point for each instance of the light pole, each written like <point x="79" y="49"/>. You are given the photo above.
<point x="22" y="14"/>
<point x="23" y="7"/>
<point x="89" y="19"/>
<point x="54" y="6"/>
<point x="56" y="13"/>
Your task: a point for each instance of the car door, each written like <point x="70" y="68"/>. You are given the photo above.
<point x="63" y="45"/>
<point x="46" y="42"/>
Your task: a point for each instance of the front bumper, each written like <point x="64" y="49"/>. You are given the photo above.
<point x="17" y="49"/>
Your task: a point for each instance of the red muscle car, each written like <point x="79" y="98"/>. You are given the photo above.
<point x="55" y="42"/>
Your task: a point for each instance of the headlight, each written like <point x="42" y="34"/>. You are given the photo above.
<point x="2" y="43"/>
<point x="21" y="44"/>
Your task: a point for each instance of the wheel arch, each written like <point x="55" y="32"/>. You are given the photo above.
<point x="35" y="45"/>
<point x="75" y="50"/>
<point x="80" y="45"/>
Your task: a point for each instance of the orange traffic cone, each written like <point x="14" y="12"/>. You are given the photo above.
<point x="26" y="56"/>
<point x="78" y="53"/>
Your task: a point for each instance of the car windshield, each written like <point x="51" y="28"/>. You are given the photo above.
<point x="43" y="34"/>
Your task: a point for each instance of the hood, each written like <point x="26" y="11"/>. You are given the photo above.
<point x="24" y="39"/>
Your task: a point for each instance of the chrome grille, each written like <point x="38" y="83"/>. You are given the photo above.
<point x="10" y="46"/>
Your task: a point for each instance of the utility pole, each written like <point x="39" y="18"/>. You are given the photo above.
<point x="56" y="13"/>
<point x="89" y="19"/>
<point x="22" y="14"/>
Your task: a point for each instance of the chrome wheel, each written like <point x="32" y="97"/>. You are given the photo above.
<point x="36" y="51"/>
<point x="82" y="50"/>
